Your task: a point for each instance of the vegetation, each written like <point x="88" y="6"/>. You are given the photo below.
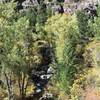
<point x="38" y="44"/>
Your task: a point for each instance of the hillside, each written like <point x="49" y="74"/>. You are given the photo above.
<point x="49" y="49"/>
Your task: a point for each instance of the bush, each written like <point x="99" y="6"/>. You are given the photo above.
<point x="89" y="80"/>
<point x="66" y="35"/>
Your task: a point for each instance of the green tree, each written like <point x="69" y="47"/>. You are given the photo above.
<point x="13" y="52"/>
<point x="65" y="35"/>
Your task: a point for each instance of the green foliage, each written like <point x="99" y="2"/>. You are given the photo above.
<point x="69" y="34"/>
<point x="19" y="47"/>
<point x="88" y="80"/>
<point x="70" y="54"/>
<point x="66" y="35"/>
<point x="37" y="14"/>
<point x="77" y="87"/>
<point x="56" y="28"/>
<point x="83" y="24"/>
<point x="95" y="28"/>
<point x="12" y="37"/>
<point x="16" y="45"/>
<point x="92" y="54"/>
<point x="41" y="17"/>
<point x="31" y="14"/>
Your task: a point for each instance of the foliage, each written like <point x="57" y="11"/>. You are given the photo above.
<point x="70" y="55"/>
<point x="58" y="24"/>
<point x="84" y="28"/>
<point x="16" y="48"/>
<point x="27" y="38"/>
<point x="92" y="54"/>
<point x="12" y="37"/>
<point x="66" y="31"/>
<point x="71" y="34"/>
<point x="88" y="80"/>
<point x="95" y="26"/>
<point x="20" y="49"/>
<point x="37" y="14"/>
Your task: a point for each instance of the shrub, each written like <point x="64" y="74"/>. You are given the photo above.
<point x="89" y="80"/>
<point x="66" y="35"/>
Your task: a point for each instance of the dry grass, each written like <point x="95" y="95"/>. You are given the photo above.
<point x="92" y="94"/>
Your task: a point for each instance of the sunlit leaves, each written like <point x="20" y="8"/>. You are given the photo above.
<point x="7" y="9"/>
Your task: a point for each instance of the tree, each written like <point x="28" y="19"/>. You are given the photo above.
<point x="65" y="35"/>
<point x="13" y="52"/>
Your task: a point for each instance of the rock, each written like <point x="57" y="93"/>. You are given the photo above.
<point x="47" y="96"/>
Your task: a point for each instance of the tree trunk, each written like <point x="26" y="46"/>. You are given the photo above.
<point x="9" y="88"/>
<point x="22" y="85"/>
<point x="19" y="84"/>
